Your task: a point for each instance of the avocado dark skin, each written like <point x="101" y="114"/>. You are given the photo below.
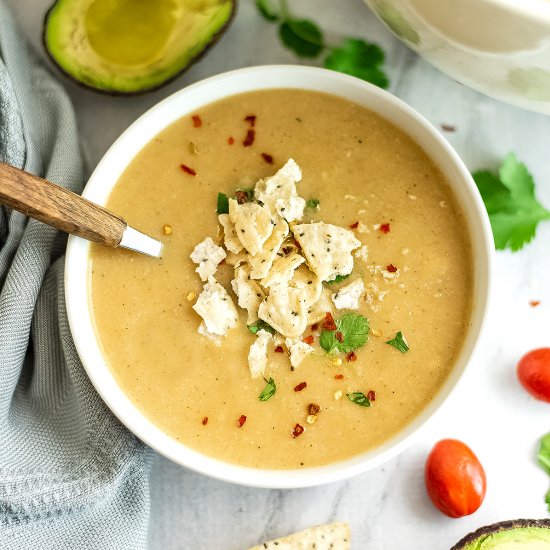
<point x="92" y="84"/>
<point x="503" y="526"/>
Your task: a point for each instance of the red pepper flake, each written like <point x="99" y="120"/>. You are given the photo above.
<point x="251" y="119"/>
<point x="309" y="339"/>
<point x="371" y="395"/>
<point x="385" y="228"/>
<point x="241" y="421"/>
<point x="205" y="421"/>
<point x="329" y="323"/>
<point x="313" y="408"/>
<point x="351" y="356"/>
<point x="241" y="197"/>
<point x="315" y="326"/>
<point x="339" y="336"/>
<point x="354" y="225"/>
<point x="231" y="140"/>
<point x="249" y="139"/>
<point x="300" y="386"/>
<point x="279" y="349"/>
<point x="339" y="376"/>
<point x="297" y="244"/>
<point x="268" y="158"/>
<point x="298" y="430"/>
<point x="534" y="303"/>
<point x="188" y="170"/>
<point x="197" y="121"/>
<point x="287" y="250"/>
<point x="448" y="128"/>
<point x="391" y="268"/>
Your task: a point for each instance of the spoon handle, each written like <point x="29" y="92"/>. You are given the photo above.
<point x="58" y="207"/>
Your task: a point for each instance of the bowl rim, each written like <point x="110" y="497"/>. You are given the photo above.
<point x="534" y="9"/>
<point x="101" y="183"/>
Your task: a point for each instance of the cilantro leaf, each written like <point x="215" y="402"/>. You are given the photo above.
<point x="266" y="8"/>
<point x="509" y="197"/>
<point x="312" y="203"/>
<point x="544" y="461"/>
<point x="302" y="36"/>
<point x="360" y="59"/>
<point x="223" y="204"/>
<point x="399" y="343"/>
<point x="338" y="279"/>
<point x="255" y="327"/>
<point x="359" y="398"/>
<point x="355" y="333"/>
<point x="268" y="391"/>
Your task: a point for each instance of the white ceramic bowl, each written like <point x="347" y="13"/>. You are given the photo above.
<point x="499" y="47"/>
<point x="190" y="100"/>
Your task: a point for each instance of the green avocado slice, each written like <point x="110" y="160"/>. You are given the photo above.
<point x="131" y="46"/>
<point x="520" y="534"/>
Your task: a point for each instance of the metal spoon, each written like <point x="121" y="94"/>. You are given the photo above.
<point x="44" y="201"/>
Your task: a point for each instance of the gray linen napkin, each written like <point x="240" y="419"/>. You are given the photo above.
<point x="71" y="476"/>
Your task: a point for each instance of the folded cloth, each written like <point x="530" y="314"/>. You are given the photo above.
<point x="71" y="476"/>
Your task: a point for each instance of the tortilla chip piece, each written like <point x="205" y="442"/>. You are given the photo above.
<point x="216" y="308"/>
<point x="283" y="269"/>
<point x="333" y="536"/>
<point x="248" y="292"/>
<point x="230" y="239"/>
<point x="252" y="223"/>
<point x="261" y="263"/>
<point x="285" y="310"/>
<point x="257" y="356"/>
<point x="208" y="255"/>
<point x="317" y="312"/>
<point x="308" y="283"/>
<point x="327" y="248"/>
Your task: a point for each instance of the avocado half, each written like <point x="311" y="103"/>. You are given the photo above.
<point x="519" y="534"/>
<point x="131" y="46"/>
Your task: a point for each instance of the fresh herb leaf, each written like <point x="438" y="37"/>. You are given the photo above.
<point x="544" y="461"/>
<point x="355" y="333"/>
<point x="510" y="200"/>
<point x="302" y="36"/>
<point x="338" y="279"/>
<point x="268" y="391"/>
<point x="254" y="328"/>
<point x="360" y="59"/>
<point x="399" y="343"/>
<point x="359" y="398"/>
<point x="312" y="203"/>
<point x="267" y="9"/>
<point x="223" y="204"/>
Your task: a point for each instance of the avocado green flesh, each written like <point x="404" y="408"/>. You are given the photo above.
<point x="521" y="538"/>
<point x="127" y="46"/>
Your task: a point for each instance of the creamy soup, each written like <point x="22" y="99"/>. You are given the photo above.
<point x="370" y="178"/>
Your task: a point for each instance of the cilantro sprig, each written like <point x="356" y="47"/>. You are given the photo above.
<point x="269" y="391"/>
<point x="255" y="327"/>
<point x="313" y="204"/>
<point x="352" y="332"/>
<point x="544" y="461"/>
<point x="509" y="196"/>
<point x="338" y="279"/>
<point x="359" y="398"/>
<point x="399" y="343"/>
<point x="353" y="56"/>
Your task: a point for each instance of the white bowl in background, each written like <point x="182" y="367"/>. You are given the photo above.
<point x="190" y="100"/>
<point x="498" y="47"/>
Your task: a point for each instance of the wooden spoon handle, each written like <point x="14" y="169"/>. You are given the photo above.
<point x="55" y="206"/>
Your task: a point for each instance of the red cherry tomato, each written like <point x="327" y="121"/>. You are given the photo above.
<point x="455" y="478"/>
<point x="534" y="373"/>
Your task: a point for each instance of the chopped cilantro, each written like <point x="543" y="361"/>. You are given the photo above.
<point x="267" y="9"/>
<point x="223" y="204"/>
<point x="359" y="398"/>
<point x="399" y="343"/>
<point x="510" y="200"/>
<point x="354" y="331"/>
<point x="312" y="203"/>
<point x="544" y="461"/>
<point x="338" y="279"/>
<point x="268" y="391"/>
<point x="360" y="59"/>
<point x="304" y="37"/>
<point x="254" y="328"/>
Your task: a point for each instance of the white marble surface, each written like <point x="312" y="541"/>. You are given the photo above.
<point x="387" y="507"/>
